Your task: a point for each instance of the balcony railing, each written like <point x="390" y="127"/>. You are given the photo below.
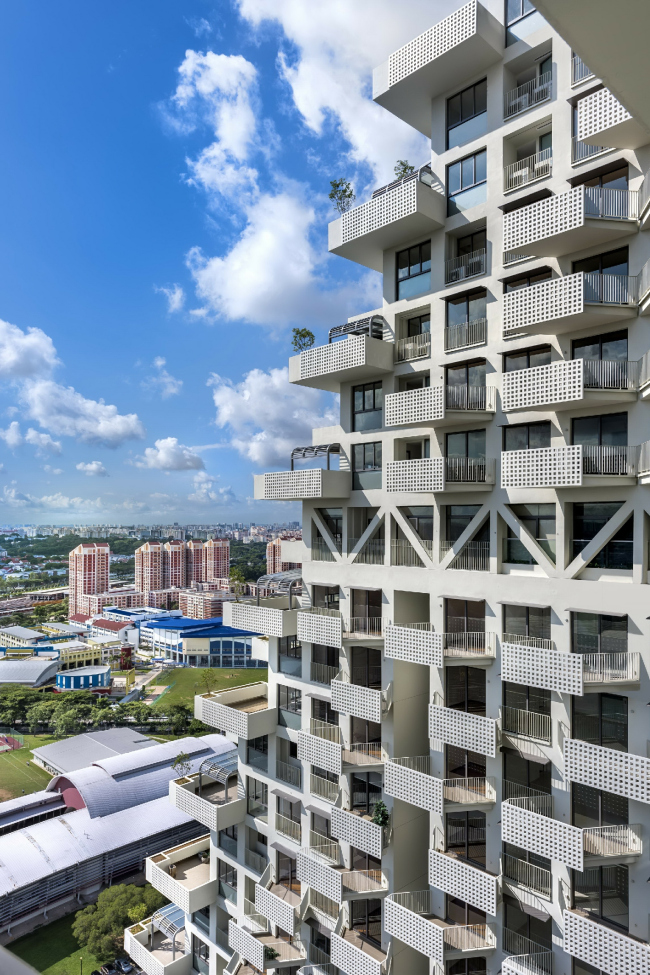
<point x="360" y="627"/>
<point x="528" y="170"/>
<point x="466" y="266"/>
<point x="320" y="551"/>
<point x="527" y="875"/>
<point x="611" y="668"/>
<point x="287" y="827"/>
<point x="372" y="553"/>
<point x="612" y="841"/>
<point x="526" y="724"/>
<point x="527" y="96"/>
<point x="322" y="673"/>
<point x="607" y="461"/>
<point x="470" y="470"/>
<point x="325" y="730"/>
<point x="469" y="644"/>
<point x="321" y="626"/>
<point x="323" y="788"/>
<point x="513" y="790"/>
<point x="465" y="335"/>
<point x="413" y="347"/>
<point x="403" y="553"/>
<point x="469" y="937"/>
<point x="206" y="798"/>
<point x="610" y="289"/>
<point x="579" y="71"/>
<point x="255" y="861"/>
<point x="581" y="151"/>
<point x="536" y="642"/>
<point x="473" y="557"/>
<point x="365" y="753"/>
<point x="518" y="944"/>
<point x="469" y="397"/>
<point x="290" y="774"/>
<point x="611" y="204"/>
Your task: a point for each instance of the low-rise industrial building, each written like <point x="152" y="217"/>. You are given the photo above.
<point x="82" y="750"/>
<point x="33" y="672"/>
<point x="96" y="679"/>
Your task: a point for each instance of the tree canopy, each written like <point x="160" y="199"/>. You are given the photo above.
<point x="100" y="927"/>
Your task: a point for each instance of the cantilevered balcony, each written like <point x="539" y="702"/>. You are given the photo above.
<point x="570" y="383"/>
<point x="410" y="780"/>
<point x="414" y="642"/>
<point x="323" y="868"/>
<point x="243" y="711"/>
<point x="468" y="731"/>
<point x="527" y="96"/>
<point x="353" y="954"/>
<point x="301" y="485"/>
<point x="182" y="874"/>
<point x="521" y="873"/>
<point x="277" y="903"/>
<point x="572" y="302"/>
<point x="321" y="746"/>
<point x="529" y="725"/>
<point x="440" y="405"/>
<point x="263" y="949"/>
<point x="352" y="359"/>
<point x="157" y="945"/>
<point x="410" y="917"/>
<point x="466" y="266"/>
<point x="530" y="825"/>
<point x="397" y="213"/>
<point x="432" y="474"/>
<point x="439" y="60"/>
<point x="469" y="646"/>
<point x="271" y="616"/>
<point x="567" y="673"/>
<point x="358" y="829"/>
<point x="359" y="701"/>
<point x="573" y="466"/>
<point x="211" y="795"/>
<point x="622" y="773"/>
<point x="603" y="947"/>
<point x="451" y="874"/>
<point x="572" y="221"/>
<point x="519" y="174"/>
<point x="603" y="120"/>
<point x="323" y="626"/>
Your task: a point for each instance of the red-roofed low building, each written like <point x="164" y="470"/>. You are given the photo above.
<point x="104" y="627"/>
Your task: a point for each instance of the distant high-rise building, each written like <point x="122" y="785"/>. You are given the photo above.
<point x="194" y="562"/>
<point x="274" y="561"/>
<point x="149" y="566"/>
<point x="216" y="559"/>
<point x="174" y="565"/>
<point x="88" y="566"/>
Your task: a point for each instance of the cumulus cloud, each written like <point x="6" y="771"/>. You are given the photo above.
<point x="12" y="497"/>
<point x="161" y="380"/>
<point x="175" y="297"/>
<point x="205" y="490"/>
<point x="42" y="441"/>
<point x="170" y="455"/>
<point x="24" y="355"/>
<point x="64" y="411"/>
<point x="267" y="417"/>
<point x="93" y="468"/>
<point x="12" y="435"/>
<point x="52" y="470"/>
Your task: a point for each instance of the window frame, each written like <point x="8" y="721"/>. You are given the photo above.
<point x="376" y="388"/>
<point x="459" y="94"/>
<point x="459" y="162"/>
<point x="400" y="279"/>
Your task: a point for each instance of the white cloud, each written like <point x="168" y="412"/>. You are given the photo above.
<point x="14" y="498"/>
<point x="205" y="490"/>
<point x="167" y="385"/>
<point x="93" y="468"/>
<point x="267" y="417"/>
<point x="52" y="470"/>
<point x="12" y="435"/>
<point x="66" y="412"/>
<point x="24" y="355"/>
<point x="42" y="441"/>
<point x="170" y="455"/>
<point x="175" y="297"/>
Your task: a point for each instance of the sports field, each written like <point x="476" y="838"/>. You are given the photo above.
<point x="18" y="774"/>
<point x="187" y="682"/>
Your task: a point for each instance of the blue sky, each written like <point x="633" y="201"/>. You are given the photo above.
<point x="163" y="190"/>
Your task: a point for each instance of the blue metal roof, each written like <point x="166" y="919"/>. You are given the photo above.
<point x="211" y="627"/>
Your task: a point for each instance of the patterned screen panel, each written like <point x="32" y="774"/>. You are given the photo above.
<point x="470" y="731"/>
<point x="605" y="768"/>
<point x="415" y="476"/>
<point x="546" y="301"/>
<point x="546" y="218"/>
<point x="474" y="886"/>
<point x="599" y="112"/>
<point x="416" y="788"/>
<point x="559" y="382"/>
<point x="415" y="406"/>
<point x="611" y="952"/>
<point x="439" y="39"/>
<point x="415" y="646"/>
<point x="542" y="835"/>
<point x="552" y="670"/>
<point x="550" y="467"/>
<point x="395" y="204"/>
<point x="413" y="930"/>
<point x="349" y="353"/>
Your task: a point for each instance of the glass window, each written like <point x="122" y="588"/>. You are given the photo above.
<point x="366" y="791"/>
<point x="290" y="656"/>
<point x="611" y="346"/>
<point x="527" y="436"/>
<point x="366" y="466"/>
<point x="525" y="925"/>
<point x="466" y="836"/>
<point x="365" y="918"/>
<point x="604" y="893"/>
<point x="467" y="115"/>
<point x="522" y="776"/>
<point x="614" y="262"/>
<point x="527" y="358"/>
<point x="325" y="597"/>
<point x="608" y="430"/>
<point x="466" y="373"/>
<point x="526" y="280"/>
<point x="601" y="719"/>
<point x="539" y="521"/>
<point x="467" y="308"/>
<point x="527" y="621"/>
<point x="322" y="711"/>
<point x="524" y="698"/>
<point x="367" y="404"/>
<point x="257" y="798"/>
<point x="467" y="966"/>
<point x="466" y="444"/>
<point x="460" y="912"/>
<point x="462" y="764"/>
<point x="366" y="667"/>
<point x="598" y="633"/>
<point x="522" y="19"/>
<point x="257" y="752"/>
<point x="457" y="519"/>
<point x="414" y="270"/>
<point x="588" y="519"/>
<point x="467" y="182"/>
<point x="289" y="699"/>
<point x="593" y="808"/>
<point x="465" y="686"/>
<point x="471" y="242"/>
<point x="420" y="325"/>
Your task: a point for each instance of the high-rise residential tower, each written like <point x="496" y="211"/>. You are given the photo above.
<point x="274" y="560"/>
<point x="174" y="564"/>
<point x="88" y="569"/>
<point x="149" y="566"/>
<point x="447" y="770"/>
<point x="194" y="561"/>
<point x="216" y="559"/>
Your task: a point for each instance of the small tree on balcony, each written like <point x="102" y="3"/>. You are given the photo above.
<point x="302" y="339"/>
<point x="403" y="168"/>
<point x="342" y="195"/>
<point x="380" y="816"/>
<point x="182" y="765"/>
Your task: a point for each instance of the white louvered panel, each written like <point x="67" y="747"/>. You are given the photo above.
<point x="550" y="467"/>
<point x="415" y="646"/>
<point x="361" y="702"/>
<point x="166" y="885"/>
<point x="542" y="835"/>
<point x="599" y="112"/>
<point x="243" y="942"/>
<point x="470" y="731"/>
<point x="223" y="718"/>
<point x="476" y="887"/>
<point x="416" y="788"/>
<point x="275" y="909"/>
<point x="552" y="670"/>
<point x="604" y="768"/>
<point x="188" y="802"/>
<point x="352" y="960"/>
<point x="326" y="630"/>
<point x="319" y="876"/>
<point x="415" y="476"/>
<point x="545" y="301"/>
<point x="553" y="215"/>
<point x="349" y="353"/>
<point x="259" y="619"/>
<point x="360" y="833"/>
<point x="604" y="948"/>
<point x="414" y="406"/>
<point x="559" y="382"/>
<point x="413" y="930"/>
<point x="319" y="752"/>
<point x="287" y="485"/>
<point x="439" y="39"/>
<point x="393" y="205"/>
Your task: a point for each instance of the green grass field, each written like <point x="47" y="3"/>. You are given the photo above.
<point x="187" y="682"/>
<point x="16" y="776"/>
<point x="53" y="950"/>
